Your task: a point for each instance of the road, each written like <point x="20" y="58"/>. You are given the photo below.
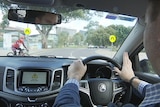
<point x="70" y="52"/>
<point x="66" y="52"/>
<point x="74" y="52"/>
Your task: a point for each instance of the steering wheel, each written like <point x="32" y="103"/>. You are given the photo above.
<point x="102" y="91"/>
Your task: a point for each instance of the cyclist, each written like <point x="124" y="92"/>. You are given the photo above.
<point x="17" y="44"/>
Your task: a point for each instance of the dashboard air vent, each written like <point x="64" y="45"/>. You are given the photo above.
<point x="57" y="79"/>
<point x="10" y="79"/>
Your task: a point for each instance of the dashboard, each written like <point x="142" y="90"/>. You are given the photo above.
<point x="36" y="81"/>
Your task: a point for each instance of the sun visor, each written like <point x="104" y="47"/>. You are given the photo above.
<point x="33" y="2"/>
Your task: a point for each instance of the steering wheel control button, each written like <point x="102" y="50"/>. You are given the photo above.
<point x="102" y="87"/>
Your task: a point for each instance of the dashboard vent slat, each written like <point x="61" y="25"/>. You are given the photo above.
<point x="10" y="79"/>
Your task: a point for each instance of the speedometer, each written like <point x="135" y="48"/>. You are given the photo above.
<point x="104" y="72"/>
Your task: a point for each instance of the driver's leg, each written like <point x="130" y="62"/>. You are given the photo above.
<point x="126" y="105"/>
<point x="112" y="105"/>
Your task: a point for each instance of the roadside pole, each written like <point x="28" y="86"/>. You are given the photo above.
<point x="112" y="39"/>
<point x="27" y="32"/>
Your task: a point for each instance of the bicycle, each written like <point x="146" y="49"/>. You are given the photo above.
<point x="22" y="52"/>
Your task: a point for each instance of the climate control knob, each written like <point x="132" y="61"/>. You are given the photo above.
<point x="44" y="105"/>
<point x="19" y="105"/>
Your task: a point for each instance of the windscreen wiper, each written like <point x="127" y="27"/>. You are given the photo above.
<point x="47" y="56"/>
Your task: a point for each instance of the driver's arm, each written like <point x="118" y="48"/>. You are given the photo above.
<point x="69" y="94"/>
<point x="128" y="75"/>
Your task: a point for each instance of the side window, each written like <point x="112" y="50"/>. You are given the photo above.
<point x="145" y="64"/>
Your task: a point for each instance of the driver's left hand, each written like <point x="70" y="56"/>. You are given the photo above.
<point x="76" y="70"/>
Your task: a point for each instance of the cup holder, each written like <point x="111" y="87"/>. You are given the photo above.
<point x="3" y="103"/>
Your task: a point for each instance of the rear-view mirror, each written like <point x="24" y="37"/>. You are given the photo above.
<point x="34" y="17"/>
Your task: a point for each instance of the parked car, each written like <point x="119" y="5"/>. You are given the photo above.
<point x="36" y="80"/>
<point x="92" y="47"/>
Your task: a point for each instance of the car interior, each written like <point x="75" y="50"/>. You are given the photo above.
<point x="35" y="81"/>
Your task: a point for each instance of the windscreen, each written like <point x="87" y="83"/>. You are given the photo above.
<point x="82" y="33"/>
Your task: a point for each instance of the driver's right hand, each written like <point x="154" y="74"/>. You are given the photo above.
<point x="127" y="72"/>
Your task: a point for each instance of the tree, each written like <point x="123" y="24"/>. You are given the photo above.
<point x="63" y="39"/>
<point x="67" y="15"/>
<point x="121" y="33"/>
<point x="5" y="21"/>
<point x="44" y="31"/>
<point x="99" y="35"/>
<point x="77" y="39"/>
<point x="92" y="25"/>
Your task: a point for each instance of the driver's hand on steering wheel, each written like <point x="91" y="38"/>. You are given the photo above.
<point x="76" y="70"/>
<point x="127" y="72"/>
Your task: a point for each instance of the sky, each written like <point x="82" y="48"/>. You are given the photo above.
<point x="78" y="24"/>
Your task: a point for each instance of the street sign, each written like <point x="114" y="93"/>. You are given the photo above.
<point x="112" y="38"/>
<point x="27" y="31"/>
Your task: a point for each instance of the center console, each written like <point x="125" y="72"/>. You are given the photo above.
<point x="32" y="86"/>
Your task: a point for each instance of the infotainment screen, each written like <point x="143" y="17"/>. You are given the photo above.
<point x="34" y="78"/>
